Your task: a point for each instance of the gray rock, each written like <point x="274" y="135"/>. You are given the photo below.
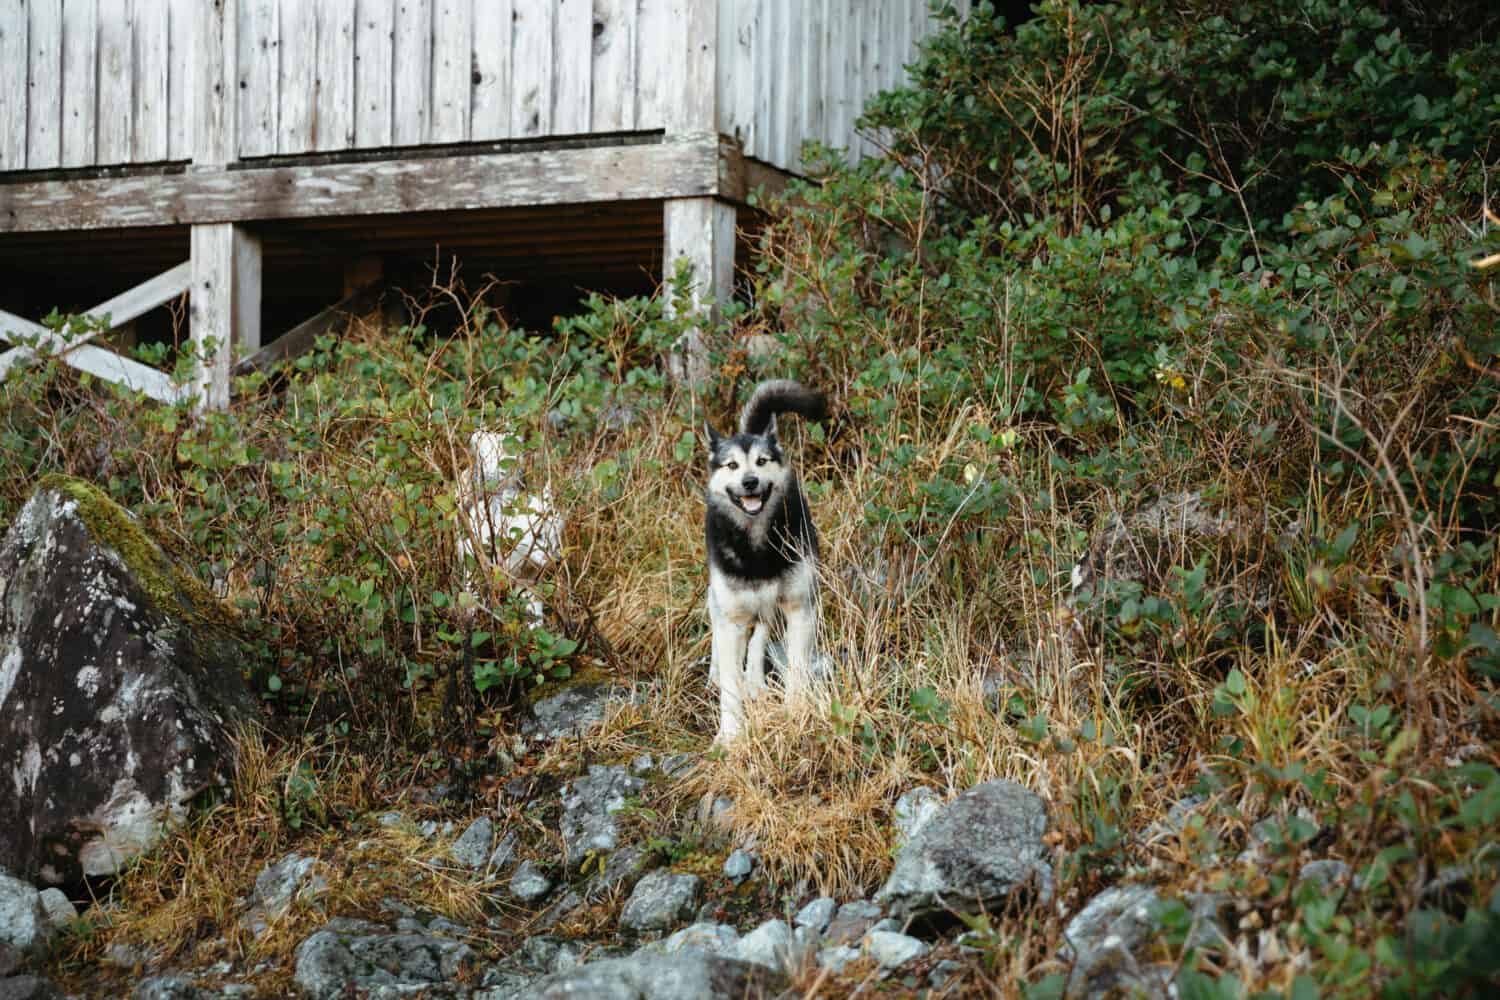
<point x="677" y="764"/>
<point x="739" y="865"/>
<point x="30" y="988"/>
<point x="716" y="939"/>
<point x="558" y="910"/>
<point x="1123" y="913"/>
<point x="621" y="872"/>
<point x="278" y="884"/>
<point x="589" y="807"/>
<point x="892" y="949"/>
<point x="23" y="919"/>
<point x="547" y="954"/>
<point x="838" y="957"/>
<point x="356" y="957"/>
<point x="660" y="900"/>
<point x="1327" y="875"/>
<point x="127" y="955"/>
<point x="571" y="712"/>
<point x="942" y="972"/>
<point x="852" y="922"/>
<point x="391" y="819"/>
<point x="173" y="987"/>
<point x="10" y="959"/>
<point x="977" y="850"/>
<point x="503" y="854"/>
<point x="772" y="945"/>
<point x="1175" y="821"/>
<point x="687" y="975"/>
<point x="816" y="916"/>
<point x="60" y="909"/>
<point x="1145" y="543"/>
<point x="643" y="764"/>
<point x="119" y="682"/>
<point x="529" y="883"/>
<point x="913" y="810"/>
<point x="501" y="984"/>
<point x="472" y="848"/>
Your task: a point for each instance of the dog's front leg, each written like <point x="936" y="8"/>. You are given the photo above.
<point x="755" y="661"/>
<point x="801" y="630"/>
<point x="729" y="640"/>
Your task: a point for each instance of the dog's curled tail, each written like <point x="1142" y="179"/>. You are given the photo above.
<point x="780" y="396"/>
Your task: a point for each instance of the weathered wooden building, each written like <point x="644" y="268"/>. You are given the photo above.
<point x="230" y="149"/>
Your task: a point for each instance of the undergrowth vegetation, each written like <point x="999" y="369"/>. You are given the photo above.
<point x="1213" y="261"/>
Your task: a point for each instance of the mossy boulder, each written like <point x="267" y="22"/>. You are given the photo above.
<point x="120" y="685"/>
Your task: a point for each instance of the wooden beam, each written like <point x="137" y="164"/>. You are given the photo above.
<point x="675" y="169"/>
<point x="225" y="305"/>
<point x="301" y="338"/>
<point x="96" y="361"/>
<point x="142" y="298"/>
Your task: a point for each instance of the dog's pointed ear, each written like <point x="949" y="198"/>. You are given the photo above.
<point x="771" y="429"/>
<point x="711" y="438"/>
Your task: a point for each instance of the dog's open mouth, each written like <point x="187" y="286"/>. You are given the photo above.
<point x="752" y="503"/>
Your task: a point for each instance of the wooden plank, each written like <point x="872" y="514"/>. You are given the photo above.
<point x="143" y="298"/>
<point x="136" y="302"/>
<point x="490" y="99"/>
<point x="572" y="66"/>
<point x="811" y="110"/>
<point x="612" y="108"/>
<point x="148" y="141"/>
<point x="531" y="70"/>
<point x="766" y="41"/>
<point x="452" y="70"/>
<point x="698" y="96"/>
<point x="334" y="122"/>
<point x="96" y="361"/>
<point x="79" y="82"/>
<point x="653" y="33"/>
<point x="858" y="72"/>
<point x="298" y="78"/>
<point x="374" y="59"/>
<point x="551" y="177"/>
<point x="412" y="110"/>
<point x="180" y="79"/>
<point x="301" y="338"/>
<point x="224" y="305"/>
<point x="44" y="85"/>
<point x="14" y="31"/>
<point x="116" y="91"/>
<point x="215" y="127"/>
<point x="259" y="72"/>
<point x="832" y="80"/>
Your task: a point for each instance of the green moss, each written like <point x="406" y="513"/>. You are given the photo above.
<point x="585" y="677"/>
<point x="169" y="588"/>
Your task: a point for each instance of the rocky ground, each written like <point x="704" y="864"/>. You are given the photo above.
<point x="607" y="916"/>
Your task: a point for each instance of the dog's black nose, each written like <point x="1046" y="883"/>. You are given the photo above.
<point x="750" y="484"/>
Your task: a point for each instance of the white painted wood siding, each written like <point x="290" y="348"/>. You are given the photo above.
<point x="102" y="82"/>
<point x="793" y="71"/>
<point x="93" y="82"/>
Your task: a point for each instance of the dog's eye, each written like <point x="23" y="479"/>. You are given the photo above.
<point x="761" y="460"/>
<point x="731" y="466"/>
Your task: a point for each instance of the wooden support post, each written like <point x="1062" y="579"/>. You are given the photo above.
<point x="700" y="232"/>
<point x="225" y="305"/>
<point x="224" y="299"/>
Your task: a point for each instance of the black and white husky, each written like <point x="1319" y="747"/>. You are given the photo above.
<point x="762" y="552"/>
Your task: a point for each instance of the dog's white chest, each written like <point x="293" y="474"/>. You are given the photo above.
<point x="743" y="603"/>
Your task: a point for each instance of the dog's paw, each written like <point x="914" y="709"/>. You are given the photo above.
<point x="730" y="731"/>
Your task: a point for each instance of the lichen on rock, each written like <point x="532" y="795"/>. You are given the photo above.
<point x="120" y="678"/>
